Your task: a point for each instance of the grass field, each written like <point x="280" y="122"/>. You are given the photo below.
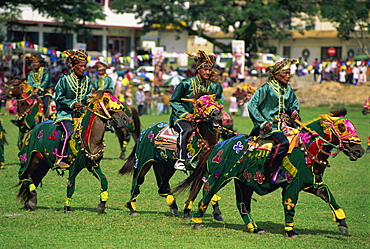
<point x="155" y="227"/>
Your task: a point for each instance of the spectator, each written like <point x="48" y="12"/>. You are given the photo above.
<point x="166" y="102"/>
<point x="140" y="100"/>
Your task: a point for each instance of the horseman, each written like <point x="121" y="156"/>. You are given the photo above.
<point x="40" y="80"/>
<point x="71" y="94"/>
<point x="182" y="111"/>
<point x="102" y="81"/>
<point x="219" y="90"/>
<point x="269" y="104"/>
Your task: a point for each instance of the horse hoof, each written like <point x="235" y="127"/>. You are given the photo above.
<point x="291" y="234"/>
<point x="175" y="212"/>
<point x="197" y="226"/>
<point x="67" y="210"/>
<point x="259" y="231"/>
<point x="186" y="217"/>
<point x="133" y="213"/>
<point x="218" y="217"/>
<point x="343" y="229"/>
<point x="101" y="208"/>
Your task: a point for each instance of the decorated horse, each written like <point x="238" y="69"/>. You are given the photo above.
<point x="85" y="150"/>
<point x="132" y="129"/>
<point x="241" y="159"/>
<point x="365" y="111"/>
<point x="157" y="147"/>
<point x="29" y="108"/>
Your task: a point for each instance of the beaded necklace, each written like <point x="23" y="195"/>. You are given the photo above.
<point x="196" y="85"/>
<point x="78" y="87"/>
<point x="37" y="76"/>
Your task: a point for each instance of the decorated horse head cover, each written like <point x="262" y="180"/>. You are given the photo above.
<point x="113" y="105"/>
<point x="204" y="105"/>
<point x="331" y="124"/>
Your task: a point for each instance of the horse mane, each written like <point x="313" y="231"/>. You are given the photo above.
<point x="99" y="94"/>
<point x="198" y="95"/>
<point x="339" y="113"/>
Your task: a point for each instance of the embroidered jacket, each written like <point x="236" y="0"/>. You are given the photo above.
<point x="103" y="83"/>
<point x="269" y="102"/>
<point x="68" y="91"/>
<point x="40" y="80"/>
<point x="186" y="89"/>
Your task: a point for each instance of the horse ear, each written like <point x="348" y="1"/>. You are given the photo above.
<point x="189" y="100"/>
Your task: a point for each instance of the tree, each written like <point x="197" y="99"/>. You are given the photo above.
<point x="351" y="19"/>
<point x="73" y="15"/>
<point x="255" y="22"/>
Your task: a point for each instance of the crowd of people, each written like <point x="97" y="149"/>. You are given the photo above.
<point x="346" y="72"/>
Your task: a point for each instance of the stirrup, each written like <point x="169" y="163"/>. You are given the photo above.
<point x="277" y="178"/>
<point x="59" y="164"/>
<point x="180" y="165"/>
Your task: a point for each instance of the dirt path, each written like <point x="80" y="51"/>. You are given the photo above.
<point x="311" y="93"/>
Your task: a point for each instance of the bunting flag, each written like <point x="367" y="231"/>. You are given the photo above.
<point x="59" y="54"/>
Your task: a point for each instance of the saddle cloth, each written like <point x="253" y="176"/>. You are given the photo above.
<point x="166" y="138"/>
<point x="266" y="144"/>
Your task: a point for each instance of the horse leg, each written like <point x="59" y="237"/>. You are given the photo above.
<point x="290" y="198"/>
<point x="325" y="194"/>
<point x="20" y="140"/>
<point x="217" y="214"/>
<point x="104" y="189"/>
<point x="243" y="203"/>
<point x="211" y="187"/>
<point x="163" y="175"/>
<point x="137" y="180"/>
<point x="31" y="178"/>
<point x="73" y="172"/>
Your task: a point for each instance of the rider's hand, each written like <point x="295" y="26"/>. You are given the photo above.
<point x="35" y="91"/>
<point x="78" y="105"/>
<point x="267" y="127"/>
<point x="189" y="117"/>
<point x="296" y="116"/>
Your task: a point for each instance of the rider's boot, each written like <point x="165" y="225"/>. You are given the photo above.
<point x="180" y="165"/>
<point x="59" y="164"/>
<point x="277" y="178"/>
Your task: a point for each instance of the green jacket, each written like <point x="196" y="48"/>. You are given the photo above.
<point x="103" y="83"/>
<point x="68" y="91"/>
<point x="269" y="102"/>
<point x="186" y="89"/>
<point x="40" y="80"/>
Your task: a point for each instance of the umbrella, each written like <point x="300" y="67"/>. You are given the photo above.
<point x="175" y="80"/>
<point x="361" y="57"/>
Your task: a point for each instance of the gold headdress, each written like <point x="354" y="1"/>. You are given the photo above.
<point x="202" y="59"/>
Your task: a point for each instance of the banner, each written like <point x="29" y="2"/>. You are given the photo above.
<point x="238" y="50"/>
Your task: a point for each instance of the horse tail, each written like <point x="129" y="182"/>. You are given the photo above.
<point x="128" y="167"/>
<point x="137" y="124"/>
<point x="194" y="181"/>
<point x="23" y="192"/>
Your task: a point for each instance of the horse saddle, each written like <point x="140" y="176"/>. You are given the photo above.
<point x="266" y="144"/>
<point x="166" y="138"/>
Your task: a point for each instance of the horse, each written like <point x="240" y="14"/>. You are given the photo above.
<point x="241" y="159"/>
<point x="133" y="128"/>
<point x="156" y="147"/>
<point x="366" y="108"/>
<point x="85" y="150"/>
<point x="29" y="108"/>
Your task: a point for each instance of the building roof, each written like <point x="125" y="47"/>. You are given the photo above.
<point x="111" y="20"/>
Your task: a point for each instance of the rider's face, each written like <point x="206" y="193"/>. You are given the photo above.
<point x="204" y="72"/>
<point x="79" y="68"/>
<point x="36" y="64"/>
<point x="283" y="77"/>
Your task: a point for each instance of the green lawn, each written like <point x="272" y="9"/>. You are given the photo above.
<point x="155" y="227"/>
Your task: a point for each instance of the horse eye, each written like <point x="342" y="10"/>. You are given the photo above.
<point x="341" y="128"/>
